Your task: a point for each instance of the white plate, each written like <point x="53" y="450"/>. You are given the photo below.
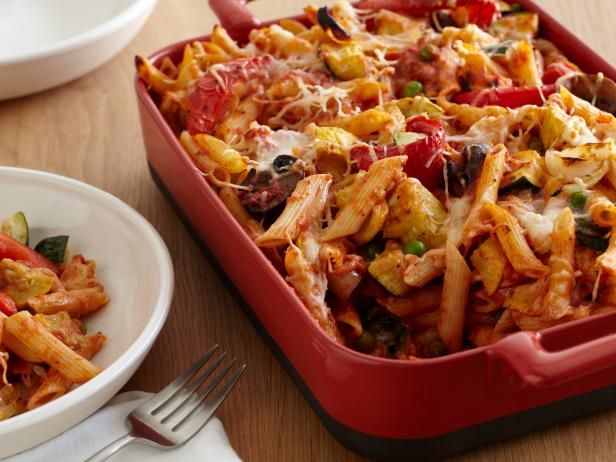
<point x="132" y="263"/>
<point x="45" y="43"/>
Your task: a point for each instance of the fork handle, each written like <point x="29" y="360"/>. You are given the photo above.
<point x="111" y="448"/>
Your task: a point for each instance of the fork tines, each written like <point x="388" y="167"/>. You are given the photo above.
<point x="182" y="406"/>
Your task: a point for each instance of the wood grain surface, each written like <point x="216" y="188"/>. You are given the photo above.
<point x="89" y="130"/>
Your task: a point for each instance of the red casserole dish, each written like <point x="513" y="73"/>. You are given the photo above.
<point x="381" y="408"/>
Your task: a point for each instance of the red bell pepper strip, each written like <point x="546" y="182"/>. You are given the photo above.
<point x="10" y="248"/>
<point x="480" y="12"/>
<point x="7" y="304"/>
<point x="425" y="159"/>
<point x="506" y="97"/>
<point x="216" y="89"/>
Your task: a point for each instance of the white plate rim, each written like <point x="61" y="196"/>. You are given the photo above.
<point x="141" y="344"/>
<point x="136" y="8"/>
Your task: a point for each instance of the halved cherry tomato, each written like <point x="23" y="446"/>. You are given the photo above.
<point x="7" y="304"/>
<point x="215" y="90"/>
<point x="506" y="97"/>
<point x="425" y="159"/>
<point x="10" y="248"/>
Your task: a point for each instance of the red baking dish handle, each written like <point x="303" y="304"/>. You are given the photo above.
<point x="234" y="16"/>
<point x="535" y="366"/>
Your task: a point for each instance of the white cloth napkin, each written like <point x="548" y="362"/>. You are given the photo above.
<point x="109" y="423"/>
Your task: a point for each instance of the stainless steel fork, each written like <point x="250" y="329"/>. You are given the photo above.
<point x="175" y="414"/>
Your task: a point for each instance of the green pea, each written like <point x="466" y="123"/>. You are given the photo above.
<point x="366" y="342"/>
<point x="412" y="89"/>
<point x="374" y="248"/>
<point x="415" y="247"/>
<point x="428" y="53"/>
<point x="578" y="199"/>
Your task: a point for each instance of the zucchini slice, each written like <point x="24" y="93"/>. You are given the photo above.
<point x="53" y="248"/>
<point x="16" y="227"/>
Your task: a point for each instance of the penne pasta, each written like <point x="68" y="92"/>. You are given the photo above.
<point x="486" y="193"/>
<point x="52" y="387"/>
<point x="419" y="301"/>
<point x="51" y="350"/>
<point x="303" y="208"/>
<point x="310" y="282"/>
<point x="455" y="296"/>
<point x="513" y="242"/>
<point x="562" y="278"/>
<point x="371" y="190"/>
<point x="602" y="210"/>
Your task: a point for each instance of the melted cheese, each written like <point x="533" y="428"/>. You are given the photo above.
<point x="279" y="142"/>
<point x="539" y="226"/>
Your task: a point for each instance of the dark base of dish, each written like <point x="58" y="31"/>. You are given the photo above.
<point x="424" y="449"/>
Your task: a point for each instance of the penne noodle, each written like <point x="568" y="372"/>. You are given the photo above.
<point x="221" y="37"/>
<point x="310" y="282"/>
<point x="455" y="296"/>
<point x="602" y="210"/>
<point x="76" y="302"/>
<point x="293" y="26"/>
<point x="52" y="387"/>
<point x="221" y="153"/>
<point x="303" y="208"/>
<point x="419" y="301"/>
<point x="558" y="298"/>
<point x="154" y="77"/>
<point x="213" y="171"/>
<point x="364" y="123"/>
<point x="51" y="350"/>
<point x="513" y="242"/>
<point x="16" y="346"/>
<point x="370" y="191"/>
<point x="486" y="193"/>
<point x="420" y="271"/>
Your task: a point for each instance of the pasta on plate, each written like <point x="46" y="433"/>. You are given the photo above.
<point x="44" y="347"/>
<point x="428" y="178"/>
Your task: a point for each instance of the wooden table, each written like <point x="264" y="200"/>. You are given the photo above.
<point x="89" y="130"/>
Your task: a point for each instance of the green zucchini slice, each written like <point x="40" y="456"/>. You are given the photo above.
<point x="16" y="226"/>
<point x="53" y="248"/>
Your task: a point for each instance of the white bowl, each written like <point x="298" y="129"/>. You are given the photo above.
<point x="132" y="263"/>
<point x="45" y="43"/>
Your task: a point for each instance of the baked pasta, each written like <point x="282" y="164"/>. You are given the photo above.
<point x="428" y="178"/>
<point x="44" y="347"/>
